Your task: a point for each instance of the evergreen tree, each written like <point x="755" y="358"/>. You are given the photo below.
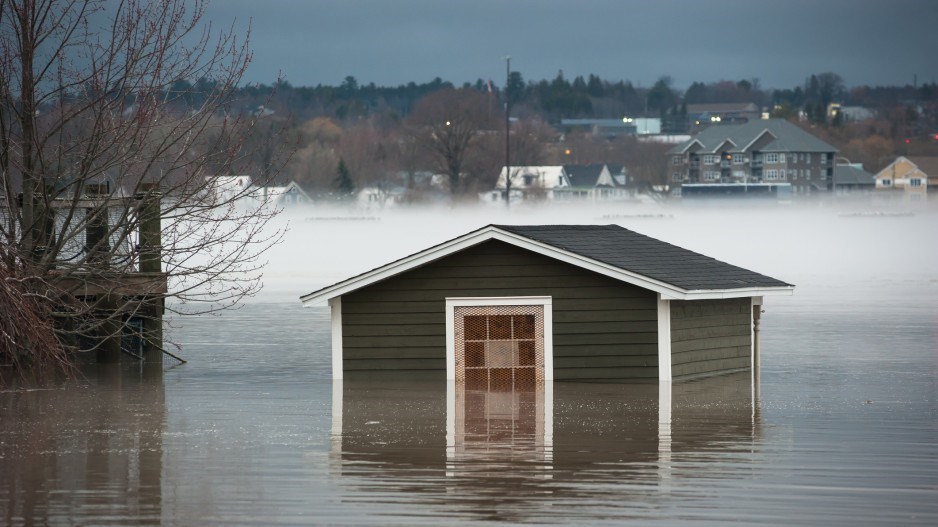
<point x="343" y="180"/>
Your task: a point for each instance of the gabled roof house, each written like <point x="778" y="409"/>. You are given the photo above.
<point x="913" y="176"/>
<point x="506" y="305"/>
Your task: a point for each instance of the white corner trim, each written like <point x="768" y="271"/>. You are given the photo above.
<point x="549" y="346"/>
<point x="664" y="339"/>
<point x="335" y="305"/>
<point x="336" y="438"/>
<point x="453" y="302"/>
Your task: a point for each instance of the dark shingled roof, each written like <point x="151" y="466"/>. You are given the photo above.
<point x="631" y="251"/>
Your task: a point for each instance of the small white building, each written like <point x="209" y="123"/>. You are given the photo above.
<point x="562" y="183"/>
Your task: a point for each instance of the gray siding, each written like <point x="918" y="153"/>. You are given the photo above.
<point x="710" y="336"/>
<point x="603" y="328"/>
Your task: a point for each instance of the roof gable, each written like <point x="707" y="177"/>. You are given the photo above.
<point x="610" y="250"/>
<point x="926" y="164"/>
<point x="585" y="175"/>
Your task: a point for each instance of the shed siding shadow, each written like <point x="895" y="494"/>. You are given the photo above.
<point x="710" y="336"/>
<point x="603" y="329"/>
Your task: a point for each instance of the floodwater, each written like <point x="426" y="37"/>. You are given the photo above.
<point x="842" y="429"/>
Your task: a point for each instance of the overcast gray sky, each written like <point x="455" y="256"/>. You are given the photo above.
<point x="781" y="42"/>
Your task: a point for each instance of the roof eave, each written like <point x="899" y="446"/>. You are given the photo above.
<point x="743" y="292"/>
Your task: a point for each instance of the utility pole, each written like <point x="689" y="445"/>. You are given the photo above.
<point x="507" y="133"/>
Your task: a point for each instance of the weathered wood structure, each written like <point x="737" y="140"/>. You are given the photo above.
<point x="108" y="259"/>
<point x="509" y="305"/>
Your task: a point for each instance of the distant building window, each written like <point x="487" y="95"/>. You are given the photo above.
<point x="801" y="156"/>
<point x="676" y="160"/>
<point x="823" y="158"/>
<point x="792" y="173"/>
<point x="711" y="175"/>
<point x="711" y="159"/>
<point x="807" y="157"/>
<point x="771" y="175"/>
<point x="527" y="180"/>
<point x="781" y="175"/>
<point x="781" y="158"/>
<point x="676" y="176"/>
<point x="915" y="182"/>
<point x="739" y="159"/>
<point x="739" y="174"/>
<point x="887" y="182"/>
<point x="771" y="158"/>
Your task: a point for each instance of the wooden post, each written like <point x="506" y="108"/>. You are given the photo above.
<point x="96" y="243"/>
<point x="109" y="330"/>
<point x="150" y="262"/>
<point x="150" y="235"/>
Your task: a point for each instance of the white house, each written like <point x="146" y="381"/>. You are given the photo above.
<point x="562" y="183"/>
<point x="290" y="194"/>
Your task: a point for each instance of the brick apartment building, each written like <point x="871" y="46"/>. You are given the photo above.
<point x="759" y="151"/>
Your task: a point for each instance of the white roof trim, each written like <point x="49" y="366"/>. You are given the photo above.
<point x="721" y="143"/>
<point x="690" y="144"/>
<point x="759" y="136"/>
<point x="667" y="291"/>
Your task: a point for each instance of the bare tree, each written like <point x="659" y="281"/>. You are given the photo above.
<point x="108" y="205"/>
<point x="447" y="122"/>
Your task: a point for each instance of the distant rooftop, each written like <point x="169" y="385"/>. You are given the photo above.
<point x="787" y="138"/>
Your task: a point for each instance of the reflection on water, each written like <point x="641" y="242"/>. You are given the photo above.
<point x="510" y="454"/>
<point x="90" y="449"/>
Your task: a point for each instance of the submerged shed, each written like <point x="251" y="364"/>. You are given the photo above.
<point x="507" y="305"/>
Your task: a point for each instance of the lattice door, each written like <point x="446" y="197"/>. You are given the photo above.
<point x="499" y="347"/>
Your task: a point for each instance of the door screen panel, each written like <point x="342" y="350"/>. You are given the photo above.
<point x="499" y="347"/>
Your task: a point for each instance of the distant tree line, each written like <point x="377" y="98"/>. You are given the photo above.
<point x="392" y="136"/>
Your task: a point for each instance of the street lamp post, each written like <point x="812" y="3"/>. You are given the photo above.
<point x="507" y="133"/>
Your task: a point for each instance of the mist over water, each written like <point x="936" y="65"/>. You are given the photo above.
<point x="811" y="245"/>
<point x="842" y="430"/>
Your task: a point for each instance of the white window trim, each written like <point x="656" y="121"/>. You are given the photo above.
<point x="545" y="301"/>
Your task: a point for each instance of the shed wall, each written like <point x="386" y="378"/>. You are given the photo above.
<point x="603" y="329"/>
<point x="710" y="336"/>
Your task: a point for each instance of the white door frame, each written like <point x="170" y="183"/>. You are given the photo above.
<point x="453" y="302"/>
